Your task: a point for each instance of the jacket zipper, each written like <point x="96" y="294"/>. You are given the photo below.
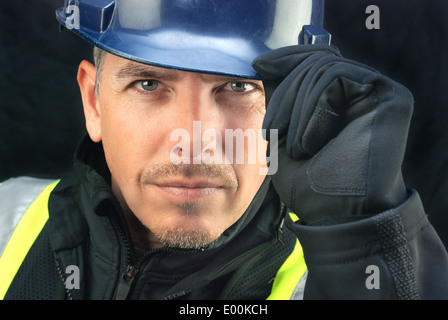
<point x="63" y="278"/>
<point x="125" y="283"/>
<point x="128" y="277"/>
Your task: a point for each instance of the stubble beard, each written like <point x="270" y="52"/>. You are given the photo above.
<point x="188" y="236"/>
<point x="184" y="239"/>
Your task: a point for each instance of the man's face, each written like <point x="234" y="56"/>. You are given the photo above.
<point x="139" y="109"/>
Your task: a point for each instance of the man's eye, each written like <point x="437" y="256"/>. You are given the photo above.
<point x="148" y="85"/>
<point x="240" y="86"/>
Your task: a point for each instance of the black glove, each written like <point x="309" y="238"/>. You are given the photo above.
<point x="342" y="129"/>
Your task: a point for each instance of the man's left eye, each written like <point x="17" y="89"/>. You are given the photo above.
<point x="240" y="86"/>
<point x="149" y="85"/>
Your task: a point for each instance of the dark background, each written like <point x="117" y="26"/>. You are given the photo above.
<point x="41" y="119"/>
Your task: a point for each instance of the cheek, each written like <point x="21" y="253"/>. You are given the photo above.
<point x="249" y="123"/>
<point x="252" y="172"/>
<point x="125" y="140"/>
<point x="246" y="113"/>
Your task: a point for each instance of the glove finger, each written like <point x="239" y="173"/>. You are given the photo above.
<point x="304" y="110"/>
<point x="282" y="102"/>
<point x="277" y="64"/>
<point x="282" y="94"/>
<point x="327" y="103"/>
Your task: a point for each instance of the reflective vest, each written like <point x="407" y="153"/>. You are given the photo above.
<point x="24" y="206"/>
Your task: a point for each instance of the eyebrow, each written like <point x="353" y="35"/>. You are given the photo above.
<point x="138" y="70"/>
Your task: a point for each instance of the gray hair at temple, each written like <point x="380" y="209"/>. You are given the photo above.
<point x="98" y="58"/>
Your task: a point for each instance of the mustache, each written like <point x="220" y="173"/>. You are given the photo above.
<point x="224" y="174"/>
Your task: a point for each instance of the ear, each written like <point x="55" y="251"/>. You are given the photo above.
<point x="86" y="82"/>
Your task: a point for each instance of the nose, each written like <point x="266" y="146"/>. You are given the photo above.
<point x="197" y="127"/>
<point x="196" y="146"/>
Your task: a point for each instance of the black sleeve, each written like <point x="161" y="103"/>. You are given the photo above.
<point x="394" y="255"/>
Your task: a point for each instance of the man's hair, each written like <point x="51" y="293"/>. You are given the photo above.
<point x="98" y="58"/>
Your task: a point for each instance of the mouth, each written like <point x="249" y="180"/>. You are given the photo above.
<point x="189" y="190"/>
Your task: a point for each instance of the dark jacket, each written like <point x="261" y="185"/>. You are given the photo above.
<point x="86" y="228"/>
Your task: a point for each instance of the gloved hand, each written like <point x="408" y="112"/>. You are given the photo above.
<point x="342" y="130"/>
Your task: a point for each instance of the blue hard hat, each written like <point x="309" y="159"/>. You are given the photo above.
<point x="210" y="36"/>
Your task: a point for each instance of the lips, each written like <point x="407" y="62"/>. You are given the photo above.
<point x="189" y="183"/>
<point x="189" y="190"/>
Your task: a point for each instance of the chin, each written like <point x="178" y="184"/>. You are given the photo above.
<point x="185" y="237"/>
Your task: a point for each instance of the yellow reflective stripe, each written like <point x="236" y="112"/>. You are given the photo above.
<point x="22" y="239"/>
<point x="290" y="273"/>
